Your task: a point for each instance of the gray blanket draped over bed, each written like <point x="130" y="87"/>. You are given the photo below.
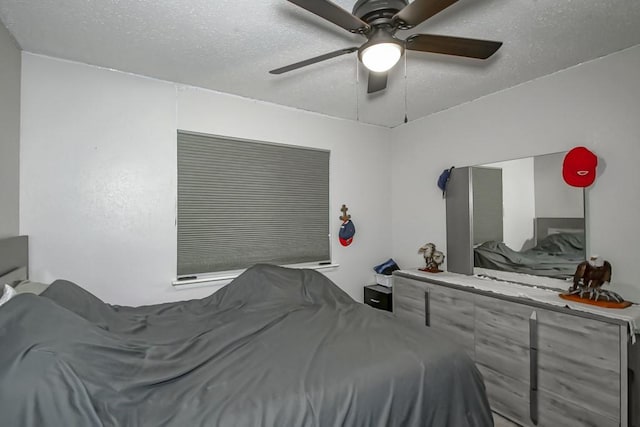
<point x="276" y="347"/>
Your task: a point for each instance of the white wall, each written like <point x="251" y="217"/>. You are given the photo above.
<point x="596" y="104"/>
<point x="10" y="64"/>
<point x="98" y="188"/>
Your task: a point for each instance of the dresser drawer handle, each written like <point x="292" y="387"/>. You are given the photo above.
<point x="427" y="309"/>
<point x="374" y="300"/>
<point x="533" y="367"/>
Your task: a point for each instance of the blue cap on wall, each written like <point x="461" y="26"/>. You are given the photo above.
<point x="347" y="230"/>
<point x="443" y="179"/>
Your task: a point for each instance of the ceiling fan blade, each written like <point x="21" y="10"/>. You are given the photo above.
<point x="313" y="60"/>
<point x="420" y="10"/>
<point x="447" y="45"/>
<point x="377" y="82"/>
<point x="333" y="13"/>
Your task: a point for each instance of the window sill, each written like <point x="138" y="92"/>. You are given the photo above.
<point x="219" y="280"/>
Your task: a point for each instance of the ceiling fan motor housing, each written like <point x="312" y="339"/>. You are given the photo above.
<point x="375" y="12"/>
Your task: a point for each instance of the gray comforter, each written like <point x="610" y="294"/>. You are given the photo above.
<point x="276" y="347"/>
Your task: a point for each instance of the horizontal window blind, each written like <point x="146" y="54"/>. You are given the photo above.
<point x="246" y="202"/>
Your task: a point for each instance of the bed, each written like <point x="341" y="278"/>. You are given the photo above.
<point x="559" y="248"/>
<point x="276" y="347"/>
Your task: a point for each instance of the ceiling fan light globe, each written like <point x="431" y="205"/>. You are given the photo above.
<point x="381" y="57"/>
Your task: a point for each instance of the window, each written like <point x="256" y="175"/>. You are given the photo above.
<point x="246" y="202"/>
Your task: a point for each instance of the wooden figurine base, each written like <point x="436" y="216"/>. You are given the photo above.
<point x="431" y="270"/>
<point x="604" y="304"/>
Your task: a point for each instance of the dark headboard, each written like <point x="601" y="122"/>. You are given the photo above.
<point x="545" y="226"/>
<point x="14" y="254"/>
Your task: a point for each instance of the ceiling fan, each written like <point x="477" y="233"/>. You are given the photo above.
<point x="378" y="21"/>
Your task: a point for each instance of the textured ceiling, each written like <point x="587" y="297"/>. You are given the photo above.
<point x="230" y="45"/>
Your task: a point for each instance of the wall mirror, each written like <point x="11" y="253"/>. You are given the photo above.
<point x="515" y="216"/>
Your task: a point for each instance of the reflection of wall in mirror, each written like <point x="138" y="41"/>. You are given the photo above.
<point x="519" y="204"/>
<point x="554" y="197"/>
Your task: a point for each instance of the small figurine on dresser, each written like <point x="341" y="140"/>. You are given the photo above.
<point x="588" y="280"/>
<point x="432" y="257"/>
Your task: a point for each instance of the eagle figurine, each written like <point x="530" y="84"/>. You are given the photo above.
<point x="432" y="258"/>
<point x="589" y="278"/>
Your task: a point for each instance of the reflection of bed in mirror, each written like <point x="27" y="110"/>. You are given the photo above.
<point x="558" y="247"/>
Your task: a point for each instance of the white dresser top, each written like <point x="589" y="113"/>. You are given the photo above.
<point x="631" y="314"/>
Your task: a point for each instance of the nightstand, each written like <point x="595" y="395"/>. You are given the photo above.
<point x="378" y="296"/>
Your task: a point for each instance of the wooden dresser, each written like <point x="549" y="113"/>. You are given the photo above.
<point x="543" y="364"/>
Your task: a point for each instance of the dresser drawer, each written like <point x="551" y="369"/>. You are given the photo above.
<point x="579" y="362"/>
<point x="451" y="312"/>
<point x="556" y="411"/>
<point x="378" y="297"/>
<point x="502" y="336"/>
<point x="507" y="396"/>
<point x="409" y="299"/>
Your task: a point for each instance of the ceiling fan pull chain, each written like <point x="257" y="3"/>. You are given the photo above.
<point x="405" y="88"/>
<point x="357" y="90"/>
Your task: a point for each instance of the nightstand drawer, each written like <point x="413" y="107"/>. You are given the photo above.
<point x="379" y="297"/>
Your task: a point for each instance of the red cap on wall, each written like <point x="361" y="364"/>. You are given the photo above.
<point x="579" y="167"/>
